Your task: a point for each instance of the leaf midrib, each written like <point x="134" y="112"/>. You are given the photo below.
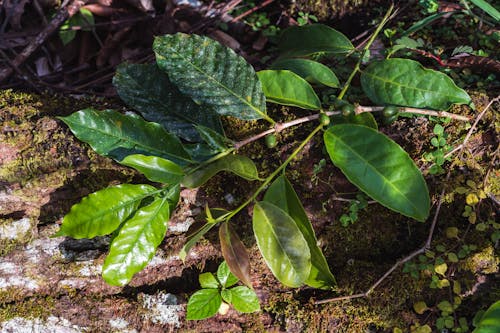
<point x="376" y="171"/>
<point x="214" y="80"/>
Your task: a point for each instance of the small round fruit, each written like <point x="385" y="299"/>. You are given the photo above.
<point x="324" y="119"/>
<point x="347" y="110"/>
<point x="271" y="141"/>
<point x="390" y="111"/>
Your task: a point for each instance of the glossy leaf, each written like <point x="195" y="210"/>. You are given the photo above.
<point x="147" y="89"/>
<point x="380" y="168"/>
<point x="102" y="212"/>
<point x="203" y="304"/>
<point x="426" y="21"/>
<point x="211" y="74"/>
<point x="156" y="169"/>
<point x="287" y="88"/>
<point x="282" y="244"/>
<point x="244" y="299"/>
<point x="136" y="243"/>
<point x="305" y="40"/>
<point x="282" y="195"/>
<point x="239" y="165"/>
<point x="208" y="280"/>
<point x="311" y="71"/>
<point x="405" y="82"/>
<point x="225" y="277"/>
<point x="490" y="321"/>
<point x="200" y="152"/>
<point x="488" y="8"/>
<point x="365" y="119"/>
<point x="116" y="135"/>
<point x="235" y="253"/>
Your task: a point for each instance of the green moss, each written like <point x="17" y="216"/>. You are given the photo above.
<point x="329" y="9"/>
<point x="484" y="262"/>
<point x="29" y="309"/>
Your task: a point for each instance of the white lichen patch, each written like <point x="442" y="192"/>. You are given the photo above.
<point x="89" y="269"/>
<point x="51" y="325"/>
<point x="120" y="325"/>
<point x="181" y="226"/>
<point x="38" y="250"/>
<point x="162" y="308"/>
<point x="18" y="282"/>
<point x="15" y="230"/>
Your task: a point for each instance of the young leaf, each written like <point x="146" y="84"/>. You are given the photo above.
<point x="211" y="74"/>
<point x="156" y="169"/>
<point x="282" y="244"/>
<point x="405" y="82"/>
<point x="147" y="89"/>
<point x="136" y="243"/>
<point x="235" y="253"/>
<point x="102" y="212"/>
<point x="282" y="194"/>
<point x="315" y="38"/>
<point x="116" y="135"/>
<point x="287" y="88"/>
<point x="490" y="320"/>
<point x="226" y="295"/>
<point x="226" y="278"/>
<point x="208" y="280"/>
<point x="203" y="304"/>
<point x="380" y="168"/>
<point x="311" y="71"/>
<point x="244" y="299"/>
<point x="239" y="165"/>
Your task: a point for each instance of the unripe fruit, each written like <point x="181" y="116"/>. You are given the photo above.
<point x="391" y="119"/>
<point x="390" y="111"/>
<point x="271" y="141"/>
<point x="347" y="110"/>
<point x="324" y="119"/>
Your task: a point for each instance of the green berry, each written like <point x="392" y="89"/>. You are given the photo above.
<point x="324" y="119"/>
<point x="347" y="110"/>
<point x="271" y="141"/>
<point x="391" y="119"/>
<point x="390" y="111"/>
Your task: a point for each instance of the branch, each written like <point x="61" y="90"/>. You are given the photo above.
<point x="38" y="40"/>
<point x="361" y="109"/>
<point x="427" y="244"/>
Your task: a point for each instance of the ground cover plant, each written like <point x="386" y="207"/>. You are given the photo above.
<point x="179" y="141"/>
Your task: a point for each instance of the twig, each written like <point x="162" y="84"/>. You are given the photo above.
<point x="431" y="230"/>
<point x="252" y="10"/>
<point x="38" y="40"/>
<point x="361" y="109"/>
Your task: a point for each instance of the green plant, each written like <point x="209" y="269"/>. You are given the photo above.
<point x="84" y="20"/>
<point x="488" y="321"/>
<point x="216" y="290"/>
<point x="438" y="155"/>
<point x="306" y="18"/>
<point x="354" y="207"/>
<point x="195" y="81"/>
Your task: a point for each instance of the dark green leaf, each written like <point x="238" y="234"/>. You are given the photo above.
<point x="136" y="243"/>
<point x="487" y="8"/>
<point x="365" y="119"/>
<point x="147" y="89"/>
<point x="312" y="71"/>
<point x="287" y="88"/>
<point x="215" y="140"/>
<point x="239" y="165"/>
<point x="380" y="168"/>
<point x="314" y="38"/>
<point x="282" y="244"/>
<point x="405" y="82"/>
<point x="208" y="280"/>
<point x="490" y="321"/>
<point x="426" y="21"/>
<point x="155" y="168"/>
<point x="282" y="195"/>
<point x="226" y="278"/>
<point x="203" y="304"/>
<point x="200" y="152"/>
<point x="235" y="253"/>
<point x="244" y="299"/>
<point x="211" y="74"/>
<point x="102" y="212"/>
<point x="116" y="135"/>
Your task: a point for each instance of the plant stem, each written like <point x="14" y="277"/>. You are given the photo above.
<point x="365" y="49"/>
<point x="276" y="172"/>
<point x="210" y="160"/>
